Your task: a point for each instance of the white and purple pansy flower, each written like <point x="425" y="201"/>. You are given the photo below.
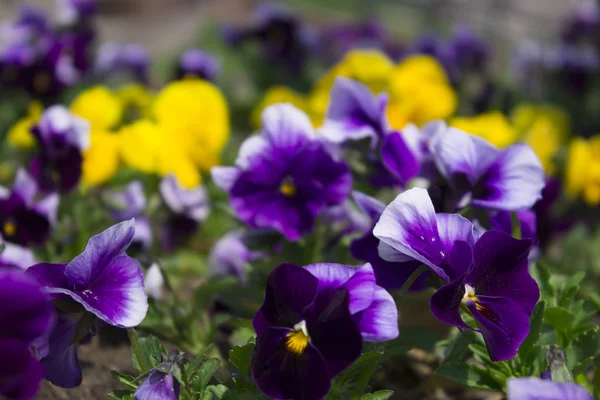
<point x="195" y="63"/>
<point x="487" y="276"/>
<point x="131" y="203"/>
<point x="484" y="176"/>
<point x="354" y="113"/>
<point x="533" y="388"/>
<point x="189" y="207"/>
<point x="63" y="137"/>
<point x="23" y="219"/>
<point x="231" y="255"/>
<point x="389" y="274"/>
<point x="103" y="279"/>
<point x="312" y="324"/>
<point x="284" y="177"/>
<point x="158" y="386"/>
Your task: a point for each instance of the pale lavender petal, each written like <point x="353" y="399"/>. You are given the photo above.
<point x="100" y="250"/>
<point x="252" y="148"/>
<point x="369" y="205"/>
<point x="456" y="152"/>
<point x="24" y="186"/>
<point x="158" y="386"/>
<point x="285" y="126"/>
<point x="533" y="388"/>
<point x="224" y="177"/>
<point x="513" y="182"/>
<point x="17" y="256"/>
<point x="128" y="203"/>
<point x="48" y="207"/>
<point x="143" y="233"/>
<point x="379" y="321"/>
<point x="360" y="282"/>
<point x="192" y="203"/>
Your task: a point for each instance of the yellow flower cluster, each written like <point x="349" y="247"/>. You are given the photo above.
<point x="418" y="87"/>
<point x="582" y="175"/>
<point x="182" y="130"/>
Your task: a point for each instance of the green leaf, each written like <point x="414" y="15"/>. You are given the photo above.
<point x="84" y="325"/>
<point x="127" y="381"/>
<point x="459" y="346"/>
<point x="121" y="395"/>
<point x="467" y="375"/>
<point x="209" y="290"/>
<point x="153" y="350"/>
<point x="378" y="395"/>
<point x="354" y="379"/>
<point x="240" y="357"/>
<point x="205" y="373"/>
<point x="583" y="345"/>
<point x="238" y="395"/>
<point x="535" y="331"/>
<point x="582" y="366"/>
<point x="570" y="289"/>
<point x="217" y="390"/>
<point x="560" y="319"/>
<point x="542" y="275"/>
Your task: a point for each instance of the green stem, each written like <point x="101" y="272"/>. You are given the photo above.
<point x="137" y="349"/>
<point x="516" y="225"/>
<point x="364" y="379"/>
<point x="412" y="278"/>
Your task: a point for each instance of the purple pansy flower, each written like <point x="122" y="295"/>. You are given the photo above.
<point x="130" y="203"/>
<point x="105" y="281"/>
<point x="533" y="388"/>
<point x="488" y="275"/>
<point x="189" y="207"/>
<point x="27" y="315"/>
<point x="282" y="35"/>
<point x="284" y="176"/>
<point x="62" y="137"/>
<point x="230" y="255"/>
<point x="484" y="176"/>
<point x="199" y="64"/>
<point x="117" y="58"/>
<point x="390" y="275"/>
<point x="158" y="386"/>
<point x="75" y="12"/>
<point x="312" y="324"/>
<point x="354" y="113"/>
<point x="24" y="220"/>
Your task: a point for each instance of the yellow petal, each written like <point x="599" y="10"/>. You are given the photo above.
<point x="139" y="145"/>
<point x="99" y="106"/>
<point x="493" y="126"/>
<point x="578" y="161"/>
<point x="101" y="160"/>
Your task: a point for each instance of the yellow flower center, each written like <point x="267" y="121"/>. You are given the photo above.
<point x="297" y="341"/>
<point x="9" y="228"/>
<point x="288" y="189"/>
<point x="469" y="296"/>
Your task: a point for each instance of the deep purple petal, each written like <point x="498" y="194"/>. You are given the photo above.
<point x="21" y="373"/>
<point x="398" y="158"/>
<point x="280" y="374"/>
<point x="49" y="275"/>
<point x="369" y="205"/>
<point x="99" y="252"/>
<point x="456" y="152"/>
<point x="500" y="269"/>
<point x="504" y="325"/>
<point x="533" y="388"/>
<point x="61" y="364"/>
<point x="445" y="303"/>
<point x="117" y="296"/>
<point x="514" y="181"/>
<point x="290" y="289"/>
<point x="334" y="332"/>
<point x="379" y="321"/>
<point x="26" y="313"/>
<point x="408" y="225"/>
<point x="358" y="281"/>
<point x="158" y="386"/>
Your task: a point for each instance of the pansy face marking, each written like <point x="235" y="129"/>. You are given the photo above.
<point x="469" y="298"/>
<point x="287" y="188"/>
<point x="297" y="340"/>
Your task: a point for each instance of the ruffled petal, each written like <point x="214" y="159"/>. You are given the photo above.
<point x="514" y="181"/>
<point x="286" y="127"/>
<point x="397" y="157"/>
<point x="100" y="250"/>
<point x="533" y="388"/>
<point x="369" y="205"/>
<point x="445" y="303"/>
<point x="379" y="321"/>
<point x="158" y="386"/>
<point x="224" y="177"/>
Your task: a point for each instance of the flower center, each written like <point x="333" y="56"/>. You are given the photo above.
<point x="287" y="188"/>
<point x="9" y="228"/>
<point x="297" y="341"/>
<point x="469" y="297"/>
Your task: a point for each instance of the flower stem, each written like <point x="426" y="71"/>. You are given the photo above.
<point x="137" y="349"/>
<point x="412" y="278"/>
<point x="516" y="225"/>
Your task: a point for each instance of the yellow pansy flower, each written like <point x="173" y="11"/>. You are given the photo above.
<point x="545" y="139"/>
<point x="19" y="135"/>
<point x="99" y="106"/>
<point x="525" y="115"/>
<point x="101" y="160"/>
<point x="173" y="159"/>
<point x="136" y="96"/>
<point x="419" y="92"/>
<point x="493" y="126"/>
<point x="194" y="114"/>
<point x="582" y="174"/>
<point x="140" y="143"/>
